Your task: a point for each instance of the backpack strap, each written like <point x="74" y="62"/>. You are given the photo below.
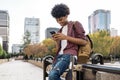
<point x="87" y="36"/>
<point x="91" y="43"/>
<point x="73" y="25"/>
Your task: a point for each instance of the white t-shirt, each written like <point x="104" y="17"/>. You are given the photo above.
<point x="63" y="42"/>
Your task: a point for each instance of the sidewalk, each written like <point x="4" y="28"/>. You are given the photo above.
<point x="19" y="70"/>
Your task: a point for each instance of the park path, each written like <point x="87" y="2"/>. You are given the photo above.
<point x="20" y="70"/>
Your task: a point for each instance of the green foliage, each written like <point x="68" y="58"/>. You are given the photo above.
<point x="1" y="51"/>
<point x="26" y="39"/>
<point x="105" y="44"/>
<point x="47" y="47"/>
<point x="115" y="46"/>
<point x="101" y="42"/>
<point x="3" y="54"/>
<point x="51" y="46"/>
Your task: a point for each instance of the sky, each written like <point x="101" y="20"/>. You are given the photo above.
<point x="79" y="11"/>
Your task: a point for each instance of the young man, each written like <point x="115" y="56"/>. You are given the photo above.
<point x="68" y="38"/>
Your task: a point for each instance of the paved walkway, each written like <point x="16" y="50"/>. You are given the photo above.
<point x="19" y="70"/>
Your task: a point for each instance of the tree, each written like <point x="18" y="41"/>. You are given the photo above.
<point x="115" y="46"/>
<point x="3" y="53"/>
<point x="26" y="39"/>
<point x="51" y="46"/>
<point x="101" y="42"/>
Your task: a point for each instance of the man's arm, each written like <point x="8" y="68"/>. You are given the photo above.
<point x="76" y="40"/>
<point x="79" y="41"/>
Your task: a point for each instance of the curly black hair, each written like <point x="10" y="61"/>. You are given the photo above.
<point x="60" y="10"/>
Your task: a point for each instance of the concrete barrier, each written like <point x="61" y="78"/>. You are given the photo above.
<point x="107" y="76"/>
<point x="37" y="63"/>
<point x="3" y="60"/>
<point x="100" y="72"/>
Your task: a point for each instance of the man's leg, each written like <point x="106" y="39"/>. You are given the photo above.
<point x="60" y="66"/>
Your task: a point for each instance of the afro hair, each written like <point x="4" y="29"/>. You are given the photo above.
<point x="60" y="10"/>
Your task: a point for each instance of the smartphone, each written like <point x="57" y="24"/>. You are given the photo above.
<point x="52" y="32"/>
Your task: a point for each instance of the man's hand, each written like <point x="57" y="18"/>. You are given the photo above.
<point x="59" y="36"/>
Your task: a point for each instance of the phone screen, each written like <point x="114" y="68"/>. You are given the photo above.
<point x="52" y="32"/>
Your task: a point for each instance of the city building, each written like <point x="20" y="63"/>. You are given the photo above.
<point x="32" y="26"/>
<point x="16" y="48"/>
<point x="48" y="30"/>
<point x="99" y="20"/>
<point x="4" y="28"/>
<point x="113" y="32"/>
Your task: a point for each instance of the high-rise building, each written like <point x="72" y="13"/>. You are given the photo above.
<point x="48" y="30"/>
<point x="99" y="20"/>
<point x="4" y="28"/>
<point x="16" y="48"/>
<point x="113" y="32"/>
<point x="32" y="26"/>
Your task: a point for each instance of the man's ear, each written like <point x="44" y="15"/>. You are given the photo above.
<point x="66" y="16"/>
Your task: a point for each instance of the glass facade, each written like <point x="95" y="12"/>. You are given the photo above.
<point x="33" y="27"/>
<point x="4" y="28"/>
<point x="99" y="20"/>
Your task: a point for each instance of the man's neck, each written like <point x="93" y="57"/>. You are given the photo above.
<point x="65" y="23"/>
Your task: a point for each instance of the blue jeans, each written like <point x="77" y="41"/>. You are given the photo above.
<point x="61" y="64"/>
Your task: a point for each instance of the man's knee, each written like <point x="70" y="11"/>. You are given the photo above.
<point x="53" y="75"/>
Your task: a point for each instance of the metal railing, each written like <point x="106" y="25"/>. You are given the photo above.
<point x="95" y="58"/>
<point x="103" y="68"/>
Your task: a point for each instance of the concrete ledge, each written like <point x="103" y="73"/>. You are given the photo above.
<point x="37" y="63"/>
<point x="3" y="60"/>
<point x="107" y="76"/>
<point x="90" y="74"/>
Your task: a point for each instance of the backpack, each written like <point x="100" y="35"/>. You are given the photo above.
<point x="84" y="52"/>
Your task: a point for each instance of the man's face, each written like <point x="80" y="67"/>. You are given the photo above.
<point x="62" y="20"/>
